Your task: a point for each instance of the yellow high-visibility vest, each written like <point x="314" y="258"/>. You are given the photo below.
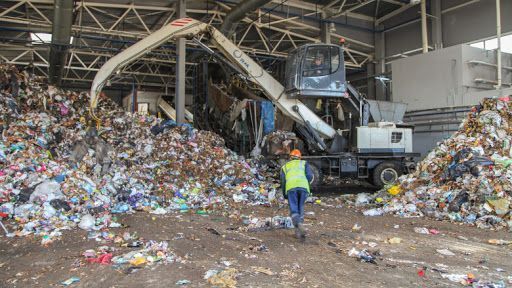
<point x="295" y="173"/>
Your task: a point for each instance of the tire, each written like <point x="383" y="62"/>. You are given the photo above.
<point x="318" y="177"/>
<point x="385" y="173"/>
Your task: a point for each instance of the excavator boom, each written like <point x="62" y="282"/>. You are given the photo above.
<point x="188" y="27"/>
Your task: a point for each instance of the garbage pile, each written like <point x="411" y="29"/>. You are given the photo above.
<point x="141" y="253"/>
<point x="467" y="178"/>
<point x="60" y="169"/>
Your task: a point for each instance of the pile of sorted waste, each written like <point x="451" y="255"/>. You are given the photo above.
<point x="60" y="169"/>
<point x="466" y="178"/>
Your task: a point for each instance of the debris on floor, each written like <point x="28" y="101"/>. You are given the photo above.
<point x="224" y="279"/>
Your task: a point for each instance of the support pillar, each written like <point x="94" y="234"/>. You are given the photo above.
<point x="370" y="84"/>
<point x="380" y="66"/>
<point x="424" y="31"/>
<point x="498" y="36"/>
<point x="437" y="24"/>
<point x="325" y="31"/>
<point x="179" y="97"/>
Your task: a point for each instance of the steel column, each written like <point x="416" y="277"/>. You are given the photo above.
<point x="179" y="96"/>
<point x="424" y="36"/>
<point x="437" y="24"/>
<point x="498" y="36"/>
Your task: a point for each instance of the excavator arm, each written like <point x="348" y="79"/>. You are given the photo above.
<point x="187" y="27"/>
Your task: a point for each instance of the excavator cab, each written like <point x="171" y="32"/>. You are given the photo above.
<point x="316" y="70"/>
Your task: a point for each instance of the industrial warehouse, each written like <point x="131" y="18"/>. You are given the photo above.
<point x="256" y="143"/>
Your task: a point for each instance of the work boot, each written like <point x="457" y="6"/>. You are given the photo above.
<point x="298" y="234"/>
<point x="301" y="232"/>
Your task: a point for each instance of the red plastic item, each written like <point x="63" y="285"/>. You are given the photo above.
<point x="421" y="273"/>
<point x="104" y="259"/>
<point x="433" y="231"/>
<point x="3" y="215"/>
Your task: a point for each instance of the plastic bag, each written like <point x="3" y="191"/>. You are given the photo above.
<point x="87" y="222"/>
<point x="46" y="191"/>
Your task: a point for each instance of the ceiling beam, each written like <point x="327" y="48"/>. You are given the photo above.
<point x="394" y="13"/>
<point x="319" y="8"/>
<point x="349" y="10"/>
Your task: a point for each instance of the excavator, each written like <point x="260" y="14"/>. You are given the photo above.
<point x="346" y="146"/>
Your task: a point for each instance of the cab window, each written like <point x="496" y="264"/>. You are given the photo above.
<point x="335" y="59"/>
<point x="317" y="62"/>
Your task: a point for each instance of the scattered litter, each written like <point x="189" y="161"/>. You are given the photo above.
<point x="264" y="224"/>
<point x="70" y="281"/>
<point x="421" y="272"/>
<point x="263" y="270"/>
<point x="499" y="242"/>
<point x="373" y="212"/>
<point x="103" y="259"/>
<point x="394" y="240"/>
<point x="153" y="252"/>
<point x="459" y="278"/>
<point x="210" y="273"/>
<point x="183" y="282"/>
<point x="424" y="230"/>
<point x="363" y="199"/>
<point x="445" y="252"/>
<point x="224" y="279"/>
<point x="363" y="255"/>
<point x="421" y="230"/>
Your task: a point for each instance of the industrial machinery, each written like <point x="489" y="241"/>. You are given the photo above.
<point x="347" y="145"/>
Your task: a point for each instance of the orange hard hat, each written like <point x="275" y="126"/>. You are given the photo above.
<point x="295" y="153"/>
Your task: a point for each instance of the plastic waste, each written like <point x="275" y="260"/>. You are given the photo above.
<point x="60" y="204"/>
<point x="445" y="252"/>
<point x="394" y="190"/>
<point x="87" y="222"/>
<point x="59" y="170"/>
<point x="183" y="282"/>
<point x="48" y="211"/>
<point x="374" y="212"/>
<point x="46" y="191"/>
<point x="394" y="240"/>
<point x="104" y="259"/>
<point x="465" y="178"/>
<point x="499" y="242"/>
<point x="363" y="255"/>
<point x="70" y="281"/>
<point x="421" y="230"/>
<point x="363" y="199"/>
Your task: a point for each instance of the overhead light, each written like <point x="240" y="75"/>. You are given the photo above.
<point x="44" y="38"/>
<point x="414" y="2"/>
<point x="382" y="78"/>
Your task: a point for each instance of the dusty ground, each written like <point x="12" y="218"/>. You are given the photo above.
<point x="322" y="261"/>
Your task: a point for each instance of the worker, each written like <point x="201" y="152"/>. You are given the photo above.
<point x="318" y="66"/>
<point x="296" y="176"/>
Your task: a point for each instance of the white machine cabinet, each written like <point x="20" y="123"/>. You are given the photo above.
<point x="384" y="137"/>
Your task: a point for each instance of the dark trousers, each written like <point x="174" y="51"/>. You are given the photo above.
<point x="296" y="199"/>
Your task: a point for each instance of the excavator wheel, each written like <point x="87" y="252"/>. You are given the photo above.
<point x="318" y="177"/>
<point x="385" y="173"/>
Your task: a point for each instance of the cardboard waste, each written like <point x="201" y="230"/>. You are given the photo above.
<point x="59" y="169"/>
<point x="466" y="178"/>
